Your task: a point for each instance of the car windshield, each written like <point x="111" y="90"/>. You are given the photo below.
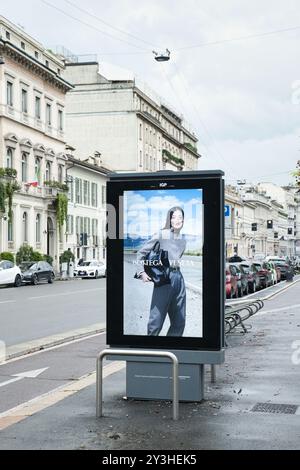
<point x="86" y="263"/>
<point x="280" y="263"/>
<point x="28" y="267"/>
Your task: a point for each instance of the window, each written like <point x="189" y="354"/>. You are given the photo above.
<point x="9" y="158"/>
<point x="58" y="71"/>
<point x="48" y="114"/>
<point x="94" y="195"/>
<point x="95" y="231"/>
<point x="70" y="224"/>
<point x="71" y="191"/>
<point x="141" y="132"/>
<point x="37" y="107"/>
<point x="38" y="228"/>
<point x="10" y="229"/>
<point x="24" y="167"/>
<point x="7" y="34"/>
<point x="24" y="101"/>
<point x="86" y="193"/>
<point x="36" y="54"/>
<point x="25" y="227"/>
<point x="9" y="93"/>
<point x="78" y="191"/>
<point x="47" y="63"/>
<point x="37" y="170"/>
<point x="23" y="45"/>
<point x="87" y="226"/>
<point x="103" y="195"/>
<point x="48" y="171"/>
<point x="60" y="173"/>
<point x="141" y="158"/>
<point x="60" y="120"/>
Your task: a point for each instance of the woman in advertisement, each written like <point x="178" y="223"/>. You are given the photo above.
<point x="169" y="298"/>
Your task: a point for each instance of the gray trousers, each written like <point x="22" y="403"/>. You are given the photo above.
<point x="168" y="299"/>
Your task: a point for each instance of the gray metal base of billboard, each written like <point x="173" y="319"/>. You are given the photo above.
<point x="151" y="379"/>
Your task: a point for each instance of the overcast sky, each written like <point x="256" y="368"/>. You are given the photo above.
<point x="241" y="97"/>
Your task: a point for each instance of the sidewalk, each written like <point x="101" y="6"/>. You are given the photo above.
<point x="259" y="368"/>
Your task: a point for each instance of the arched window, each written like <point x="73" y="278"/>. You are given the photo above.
<point x="25" y="227"/>
<point x="10" y="229"/>
<point x="48" y="171"/>
<point x="38" y="228"/>
<point x="24" y="167"/>
<point x="141" y="131"/>
<point x="9" y="158"/>
<point x="37" y="170"/>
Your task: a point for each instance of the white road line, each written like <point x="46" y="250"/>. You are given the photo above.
<point x="7" y="301"/>
<point x="37" y="404"/>
<point x="66" y="293"/>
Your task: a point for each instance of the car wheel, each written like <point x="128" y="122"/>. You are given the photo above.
<point x="18" y="281"/>
<point x="34" y="280"/>
<point x="51" y="279"/>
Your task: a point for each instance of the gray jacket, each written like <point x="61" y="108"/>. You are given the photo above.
<point x="168" y="242"/>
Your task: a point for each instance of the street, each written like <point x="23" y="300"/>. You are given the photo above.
<point x="48" y="398"/>
<point x="30" y="312"/>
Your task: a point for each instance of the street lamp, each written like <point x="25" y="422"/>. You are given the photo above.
<point x="161" y="57"/>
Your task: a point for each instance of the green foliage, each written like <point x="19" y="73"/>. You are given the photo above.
<point x="27" y="253"/>
<point x="172" y="158"/>
<point x="66" y="257"/>
<point x="57" y="184"/>
<point x="8" y="173"/>
<point x="2" y="197"/>
<point x="190" y="147"/>
<point x="48" y="258"/>
<point x="7" y="256"/>
<point x="61" y="204"/>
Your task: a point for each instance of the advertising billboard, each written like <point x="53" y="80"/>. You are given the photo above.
<point x="165" y="280"/>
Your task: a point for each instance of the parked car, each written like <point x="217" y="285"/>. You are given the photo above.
<point x="10" y="274"/>
<point x="283" y="266"/>
<point x="265" y="274"/>
<point x="231" y="282"/>
<point x="253" y="277"/>
<point x="269" y="265"/>
<point x="90" y="269"/>
<point x="33" y="272"/>
<point x="243" y="288"/>
<point x="276" y="271"/>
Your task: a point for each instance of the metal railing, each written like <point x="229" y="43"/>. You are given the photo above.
<point x="140" y="353"/>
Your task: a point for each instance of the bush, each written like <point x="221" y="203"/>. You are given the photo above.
<point x="66" y="257"/>
<point x="7" y="256"/>
<point x="27" y="253"/>
<point x="48" y="258"/>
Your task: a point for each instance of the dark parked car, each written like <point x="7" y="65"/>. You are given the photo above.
<point x="253" y="277"/>
<point x="231" y="282"/>
<point x="242" y="279"/>
<point x="283" y="266"/>
<point x="34" y="272"/>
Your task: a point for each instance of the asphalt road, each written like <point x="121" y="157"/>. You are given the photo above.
<point x="261" y="367"/>
<point x="31" y="312"/>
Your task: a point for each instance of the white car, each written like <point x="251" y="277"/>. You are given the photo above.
<point x="90" y="269"/>
<point x="10" y="274"/>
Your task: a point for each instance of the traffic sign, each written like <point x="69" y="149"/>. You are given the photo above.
<point x="227" y="211"/>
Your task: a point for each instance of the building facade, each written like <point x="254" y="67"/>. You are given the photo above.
<point x="131" y="130"/>
<point x="85" y="231"/>
<point x="32" y="139"/>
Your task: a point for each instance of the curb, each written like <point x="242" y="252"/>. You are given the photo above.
<point x="42" y="344"/>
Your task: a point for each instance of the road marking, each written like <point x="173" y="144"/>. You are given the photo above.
<point x="31" y="374"/>
<point x="66" y="293"/>
<point x="37" y="404"/>
<point x="7" y="301"/>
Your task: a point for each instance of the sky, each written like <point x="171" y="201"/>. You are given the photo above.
<point x="146" y="211"/>
<point x="240" y="95"/>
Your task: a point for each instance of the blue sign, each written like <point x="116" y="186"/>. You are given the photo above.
<point x="227" y="211"/>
